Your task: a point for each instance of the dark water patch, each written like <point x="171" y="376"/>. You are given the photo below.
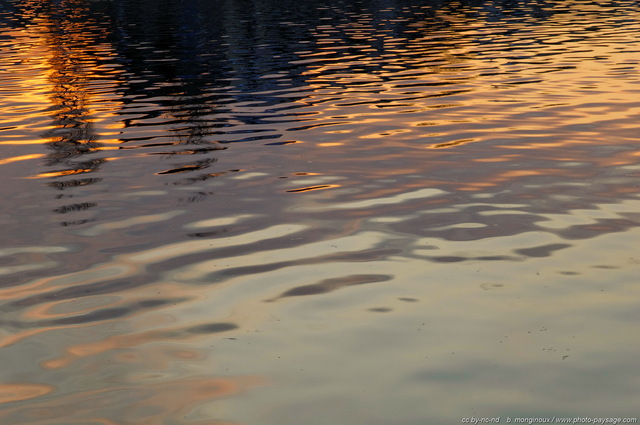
<point x="449" y="259"/>
<point x="542" y="251"/>
<point x="187" y="168"/>
<point x="494" y="258"/>
<point x="489" y="286"/>
<point x="208" y="234"/>
<point x="97" y="315"/>
<point x="75" y="207"/>
<point x="330" y="285"/>
<point x="307" y="189"/>
<point x="601" y="226"/>
<point x="380" y="309"/>
<point x="230" y="242"/>
<point x="211" y="328"/>
<point x="287" y="142"/>
<point x="229" y="272"/>
<point x="200" y="151"/>
<point x="452" y="143"/>
<point x="67" y="184"/>
<point x="78" y="292"/>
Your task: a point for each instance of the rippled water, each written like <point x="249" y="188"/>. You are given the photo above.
<point x="339" y="212"/>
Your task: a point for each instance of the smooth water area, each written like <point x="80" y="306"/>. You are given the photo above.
<point x="261" y="212"/>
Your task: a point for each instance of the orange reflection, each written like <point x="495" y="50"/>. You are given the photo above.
<point x="21" y="158"/>
<point x="500" y="178"/>
<point x="171" y="400"/>
<point x="61" y="173"/>
<point x="64" y="85"/>
<point x="21" y="392"/>
<point x="94" y="348"/>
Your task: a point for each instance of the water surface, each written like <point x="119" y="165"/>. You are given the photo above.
<point x="281" y="212"/>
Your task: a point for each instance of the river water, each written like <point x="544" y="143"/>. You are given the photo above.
<point x="261" y="212"/>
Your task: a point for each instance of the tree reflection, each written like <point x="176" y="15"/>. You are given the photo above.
<point x="197" y="76"/>
<point x="72" y="60"/>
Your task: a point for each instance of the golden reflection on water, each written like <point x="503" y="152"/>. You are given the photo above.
<point x="20" y="158"/>
<point x="450" y="232"/>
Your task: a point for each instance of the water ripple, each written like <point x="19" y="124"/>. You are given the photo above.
<point x="204" y="199"/>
